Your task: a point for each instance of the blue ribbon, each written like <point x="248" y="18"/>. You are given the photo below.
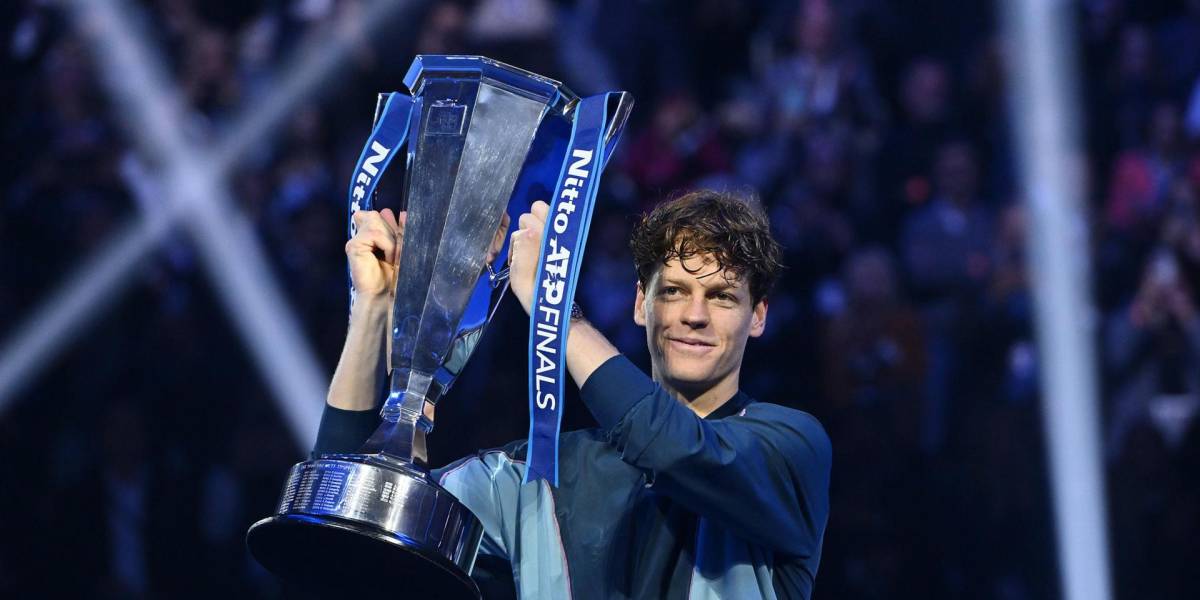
<point x="391" y="129"/>
<point x="566" y="233"/>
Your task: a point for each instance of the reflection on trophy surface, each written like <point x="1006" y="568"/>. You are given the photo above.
<point x="481" y="134"/>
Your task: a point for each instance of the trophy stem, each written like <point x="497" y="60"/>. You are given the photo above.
<point x="400" y="440"/>
<point x="401" y="435"/>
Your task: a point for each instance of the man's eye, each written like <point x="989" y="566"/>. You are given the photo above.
<point x="670" y="291"/>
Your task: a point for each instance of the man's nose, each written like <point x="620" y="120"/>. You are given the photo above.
<point x="696" y="314"/>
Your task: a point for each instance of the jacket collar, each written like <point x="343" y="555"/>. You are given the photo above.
<point x="731" y="407"/>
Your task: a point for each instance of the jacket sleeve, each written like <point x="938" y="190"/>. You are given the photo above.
<point x="344" y="431"/>
<point x="764" y="474"/>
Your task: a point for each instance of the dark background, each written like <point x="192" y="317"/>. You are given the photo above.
<point x="877" y="135"/>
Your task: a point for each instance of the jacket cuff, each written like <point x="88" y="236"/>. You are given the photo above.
<point x="613" y="389"/>
<point x="343" y="431"/>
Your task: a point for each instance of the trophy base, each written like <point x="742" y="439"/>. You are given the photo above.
<point x="350" y="525"/>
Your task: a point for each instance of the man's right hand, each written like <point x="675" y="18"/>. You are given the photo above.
<point x="374" y="256"/>
<point x="374" y="253"/>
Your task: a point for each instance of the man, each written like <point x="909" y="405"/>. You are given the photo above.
<point x="689" y="488"/>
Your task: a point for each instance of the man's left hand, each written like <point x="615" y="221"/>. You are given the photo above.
<point x="523" y="251"/>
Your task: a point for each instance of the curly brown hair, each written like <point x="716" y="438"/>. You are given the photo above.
<point x="733" y="229"/>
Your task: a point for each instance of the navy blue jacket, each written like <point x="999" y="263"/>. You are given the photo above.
<point x="655" y="503"/>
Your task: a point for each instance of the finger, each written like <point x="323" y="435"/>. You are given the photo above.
<point x="365" y="219"/>
<point x="525" y="240"/>
<point x="370" y="242"/>
<point x="372" y="220"/>
<point x="379" y="243"/>
<point x="390" y="219"/>
<point x="518" y="236"/>
<point x="356" y="218"/>
<point x="397" y="231"/>
<point x="540" y="209"/>
<point x="514" y="244"/>
<point x="358" y="249"/>
<point x="385" y="242"/>
<point x="530" y="221"/>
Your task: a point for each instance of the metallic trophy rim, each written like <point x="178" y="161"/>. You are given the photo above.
<point x="439" y="516"/>
<point x="265" y="527"/>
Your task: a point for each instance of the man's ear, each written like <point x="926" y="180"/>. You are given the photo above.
<point x="758" y="318"/>
<point x="639" y="306"/>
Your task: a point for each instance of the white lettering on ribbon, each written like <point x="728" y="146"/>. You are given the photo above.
<point x="366" y="174"/>
<point x="556" y="265"/>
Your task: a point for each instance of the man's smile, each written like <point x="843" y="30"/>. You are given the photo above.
<point x="691" y="345"/>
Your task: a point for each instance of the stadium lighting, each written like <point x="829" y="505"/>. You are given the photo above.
<point x="192" y="183"/>
<point x="1045" y="107"/>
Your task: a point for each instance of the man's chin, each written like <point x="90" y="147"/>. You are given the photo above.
<point x="689" y="382"/>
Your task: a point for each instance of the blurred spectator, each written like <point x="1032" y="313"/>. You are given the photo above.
<point x="821" y="79"/>
<point x="443" y="30"/>
<point x="1133" y="85"/>
<point x="874" y="346"/>
<point x="606" y="289"/>
<point x="946" y="248"/>
<point x="715" y="32"/>
<point x="679" y="146"/>
<point x="946" y="243"/>
<point x="1153" y="351"/>
<point x="911" y="144"/>
<point x="208" y="80"/>
<point x="1142" y="176"/>
<point x="810" y="217"/>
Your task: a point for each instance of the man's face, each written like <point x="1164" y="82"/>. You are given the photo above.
<point x="697" y="321"/>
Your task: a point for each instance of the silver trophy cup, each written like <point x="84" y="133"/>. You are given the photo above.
<point x="482" y="134"/>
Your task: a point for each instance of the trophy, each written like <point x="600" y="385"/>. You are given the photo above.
<point x="486" y="138"/>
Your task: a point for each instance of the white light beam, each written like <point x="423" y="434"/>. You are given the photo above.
<point x="1043" y="97"/>
<point x="233" y="259"/>
<point x="36" y="341"/>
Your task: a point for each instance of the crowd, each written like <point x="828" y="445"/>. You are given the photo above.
<point x="876" y="134"/>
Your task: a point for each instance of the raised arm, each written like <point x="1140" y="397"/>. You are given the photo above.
<point x="358" y="386"/>
<point x="587" y="348"/>
<point x="356" y="390"/>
